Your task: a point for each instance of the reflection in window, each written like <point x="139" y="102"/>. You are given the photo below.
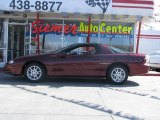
<point x="77" y="32"/>
<point x="53" y="40"/>
<point x="122" y="41"/>
<point x="71" y="38"/>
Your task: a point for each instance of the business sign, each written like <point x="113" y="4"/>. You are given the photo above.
<point x="70" y="6"/>
<point x="117" y="7"/>
<point x="108" y="30"/>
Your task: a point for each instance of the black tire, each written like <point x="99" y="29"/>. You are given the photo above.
<point x="34" y="72"/>
<point x="117" y="75"/>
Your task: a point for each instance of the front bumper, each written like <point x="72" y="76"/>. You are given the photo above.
<point x="138" y="69"/>
<point x="13" y="69"/>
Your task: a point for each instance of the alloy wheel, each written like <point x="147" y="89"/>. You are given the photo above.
<point x="34" y="73"/>
<point x="118" y="75"/>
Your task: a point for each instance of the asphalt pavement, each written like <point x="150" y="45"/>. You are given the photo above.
<point x="79" y="99"/>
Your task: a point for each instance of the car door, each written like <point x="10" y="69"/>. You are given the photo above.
<point x="78" y="65"/>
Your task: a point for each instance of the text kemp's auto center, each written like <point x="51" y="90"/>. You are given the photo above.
<point x="33" y="26"/>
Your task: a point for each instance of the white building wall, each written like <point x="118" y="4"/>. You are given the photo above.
<point x="149" y="41"/>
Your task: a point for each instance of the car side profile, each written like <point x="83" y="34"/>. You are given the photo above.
<point x="80" y="60"/>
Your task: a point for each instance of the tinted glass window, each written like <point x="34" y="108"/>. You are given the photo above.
<point x="82" y="50"/>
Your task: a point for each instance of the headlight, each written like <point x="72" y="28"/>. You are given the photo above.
<point x="11" y="62"/>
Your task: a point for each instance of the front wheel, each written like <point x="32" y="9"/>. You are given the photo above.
<point x="117" y="75"/>
<point x="34" y="72"/>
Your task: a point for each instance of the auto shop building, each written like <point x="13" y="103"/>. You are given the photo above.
<point x="40" y="26"/>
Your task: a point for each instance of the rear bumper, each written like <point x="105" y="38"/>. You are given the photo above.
<point x="138" y="69"/>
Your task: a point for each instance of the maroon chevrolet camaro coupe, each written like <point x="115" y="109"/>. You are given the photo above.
<point x="80" y="60"/>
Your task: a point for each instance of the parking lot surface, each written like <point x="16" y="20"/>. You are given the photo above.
<point x="79" y="99"/>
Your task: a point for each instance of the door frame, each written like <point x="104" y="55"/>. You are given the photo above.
<point x="5" y="47"/>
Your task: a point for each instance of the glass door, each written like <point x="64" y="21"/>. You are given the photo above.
<point x="18" y="40"/>
<point x="15" y="41"/>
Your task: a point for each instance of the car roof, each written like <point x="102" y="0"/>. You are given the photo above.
<point x="77" y="44"/>
<point x="101" y="48"/>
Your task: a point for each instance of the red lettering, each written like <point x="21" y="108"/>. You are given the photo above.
<point x="56" y="28"/>
<point x="53" y="28"/>
<point x="34" y="26"/>
<point x="66" y="29"/>
<point x="74" y="29"/>
<point x="41" y="28"/>
<point x="47" y="28"/>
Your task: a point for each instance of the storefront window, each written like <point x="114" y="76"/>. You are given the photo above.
<point x="79" y="32"/>
<point x="50" y="35"/>
<point x="52" y="41"/>
<point x="94" y="30"/>
<point x="55" y="34"/>
<point x="70" y="32"/>
<point x="119" y="35"/>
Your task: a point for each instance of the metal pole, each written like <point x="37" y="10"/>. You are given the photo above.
<point x="63" y="34"/>
<point x="138" y="37"/>
<point x="99" y="32"/>
<point x="30" y="37"/>
<point x="89" y="26"/>
<point x="38" y="46"/>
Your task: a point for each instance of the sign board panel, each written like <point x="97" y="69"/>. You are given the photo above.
<point x="69" y="6"/>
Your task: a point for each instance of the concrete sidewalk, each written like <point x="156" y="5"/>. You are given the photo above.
<point x="79" y="99"/>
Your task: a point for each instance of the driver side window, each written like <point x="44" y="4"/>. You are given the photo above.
<point x="82" y="51"/>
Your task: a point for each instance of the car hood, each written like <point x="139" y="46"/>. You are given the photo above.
<point x="35" y="57"/>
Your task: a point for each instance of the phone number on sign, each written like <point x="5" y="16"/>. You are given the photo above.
<point x="37" y="5"/>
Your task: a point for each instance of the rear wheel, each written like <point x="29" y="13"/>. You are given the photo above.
<point x="117" y="74"/>
<point x="34" y="72"/>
